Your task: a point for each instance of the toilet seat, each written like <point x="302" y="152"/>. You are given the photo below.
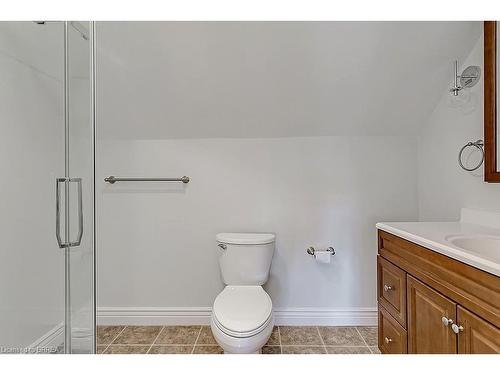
<point x="242" y="310"/>
<point x="242" y="334"/>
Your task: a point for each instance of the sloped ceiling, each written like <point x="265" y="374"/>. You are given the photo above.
<point x="273" y="79"/>
<point x="41" y="48"/>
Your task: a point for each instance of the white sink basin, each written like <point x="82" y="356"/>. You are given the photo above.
<point x="474" y="240"/>
<point x="483" y="246"/>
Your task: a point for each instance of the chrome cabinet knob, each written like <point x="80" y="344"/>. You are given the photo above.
<point x="387" y="340"/>
<point x="457" y="329"/>
<point x="388" y="287"/>
<point x="446" y="321"/>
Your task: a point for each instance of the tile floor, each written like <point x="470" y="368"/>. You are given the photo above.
<point x="199" y="340"/>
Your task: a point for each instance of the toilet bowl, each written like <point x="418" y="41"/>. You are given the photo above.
<point x="242" y="319"/>
<point x="242" y="315"/>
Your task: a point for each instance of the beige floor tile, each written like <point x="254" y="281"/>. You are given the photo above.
<point x="127" y="349"/>
<point x="106" y="334"/>
<point x="208" y="349"/>
<point x="178" y="335"/>
<point x="341" y="336"/>
<point x="348" y="350"/>
<point x="299" y="336"/>
<point x="206" y="337"/>
<point x="370" y="334"/>
<point x="138" y="335"/>
<point x="181" y="340"/>
<point x="274" y="339"/>
<point x="375" y="349"/>
<point x="171" y="349"/>
<point x="303" y="350"/>
<point x="274" y="349"/>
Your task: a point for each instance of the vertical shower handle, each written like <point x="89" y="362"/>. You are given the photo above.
<point x="58" y="212"/>
<point x="80" y="213"/>
<point x="66" y="180"/>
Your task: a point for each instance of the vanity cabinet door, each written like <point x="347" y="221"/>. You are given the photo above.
<point x="475" y="335"/>
<point x="391" y="289"/>
<point x="392" y="338"/>
<point x="428" y="332"/>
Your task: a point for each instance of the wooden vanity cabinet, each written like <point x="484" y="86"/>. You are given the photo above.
<point x="478" y="336"/>
<point x="391" y="288"/>
<point x="426" y="331"/>
<point x="391" y="336"/>
<point x="430" y="303"/>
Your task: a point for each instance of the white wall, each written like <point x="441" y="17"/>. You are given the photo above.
<point x="284" y="127"/>
<point x="157" y="246"/>
<point x="443" y="186"/>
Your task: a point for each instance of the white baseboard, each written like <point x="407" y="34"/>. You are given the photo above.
<point x="362" y="316"/>
<point x="201" y="315"/>
<point x="52" y="339"/>
<point x="81" y="341"/>
<point x="153" y="315"/>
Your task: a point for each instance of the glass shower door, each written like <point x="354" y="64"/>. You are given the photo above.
<point x="47" y="130"/>
<point x="80" y="163"/>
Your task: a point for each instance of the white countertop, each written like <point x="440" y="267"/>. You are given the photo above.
<point x="436" y="235"/>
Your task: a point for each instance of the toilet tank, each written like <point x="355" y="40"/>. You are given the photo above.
<point x="245" y="258"/>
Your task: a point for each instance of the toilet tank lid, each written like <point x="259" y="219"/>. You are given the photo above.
<point x="245" y="238"/>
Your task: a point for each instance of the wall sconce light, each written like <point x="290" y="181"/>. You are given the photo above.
<point x="469" y="78"/>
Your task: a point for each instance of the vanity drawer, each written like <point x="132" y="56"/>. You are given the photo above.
<point x="391" y="288"/>
<point x="392" y="338"/>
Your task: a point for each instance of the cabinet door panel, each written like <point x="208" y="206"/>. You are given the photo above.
<point x="426" y="331"/>
<point x="478" y="336"/>
<point x="391" y="287"/>
<point x="391" y="336"/>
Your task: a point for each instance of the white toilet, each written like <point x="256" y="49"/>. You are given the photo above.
<point x="242" y="316"/>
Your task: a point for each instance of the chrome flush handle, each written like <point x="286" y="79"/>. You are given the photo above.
<point x="223" y="246"/>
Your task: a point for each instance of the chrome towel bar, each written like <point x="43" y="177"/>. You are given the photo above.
<point x="113" y="179"/>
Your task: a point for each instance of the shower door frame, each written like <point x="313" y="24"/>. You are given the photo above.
<point x="67" y="245"/>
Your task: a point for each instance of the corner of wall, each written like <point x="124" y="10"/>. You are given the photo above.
<point x="443" y="187"/>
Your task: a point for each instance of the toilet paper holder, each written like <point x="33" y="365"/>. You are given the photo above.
<point x="311" y="250"/>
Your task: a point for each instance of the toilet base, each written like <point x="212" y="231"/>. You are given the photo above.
<point x="242" y="345"/>
<point x="257" y="352"/>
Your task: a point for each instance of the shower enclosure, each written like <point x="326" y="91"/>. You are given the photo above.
<point x="47" y="242"/>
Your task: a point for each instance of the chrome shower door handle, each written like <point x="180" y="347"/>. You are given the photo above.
<point x="66" y="180"/>
<point x="58" y="212"/>
<point x="80" y="212"/>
